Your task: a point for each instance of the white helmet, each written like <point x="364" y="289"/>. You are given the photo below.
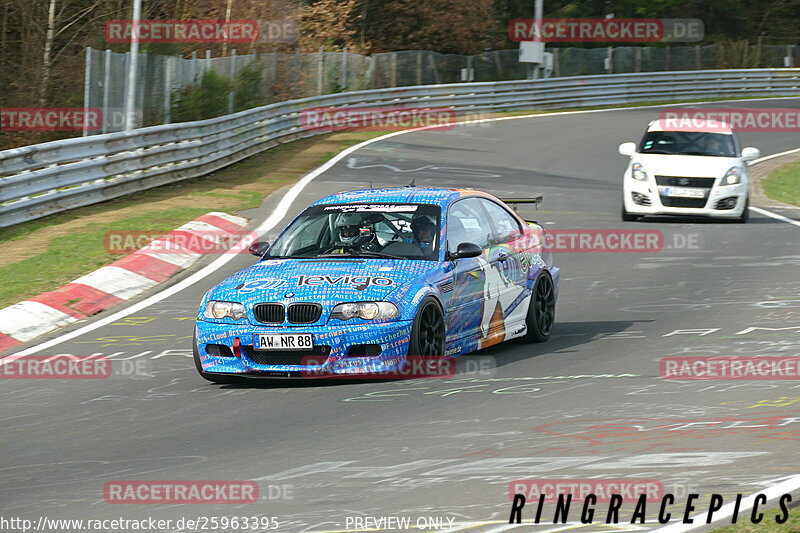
<point x="349" y="227"/>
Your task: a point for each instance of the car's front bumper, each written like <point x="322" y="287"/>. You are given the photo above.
<point x="331" y="354"/>
<point x="644" y="198"/>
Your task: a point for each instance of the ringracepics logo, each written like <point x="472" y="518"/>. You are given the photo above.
<point x="664" y="506"/>
<point x="50" y="119"/>
<point x="180" y="492"/>
<point x="738" y="119"/>
<point x="375" y="118"/>
<point x="181" y="31"/>
<point x="606" y="30"/>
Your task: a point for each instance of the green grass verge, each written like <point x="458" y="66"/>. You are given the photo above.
<point x="783" y="184"/>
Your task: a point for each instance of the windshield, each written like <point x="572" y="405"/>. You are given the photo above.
<point x="688" y="143"/>
<point x="395" y="231"/>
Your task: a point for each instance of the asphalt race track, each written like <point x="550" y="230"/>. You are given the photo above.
<point x="590" y="403"/>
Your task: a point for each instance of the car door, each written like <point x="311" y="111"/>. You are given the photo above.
<point x="505" y="289"/>
<point x="466" y="222"/>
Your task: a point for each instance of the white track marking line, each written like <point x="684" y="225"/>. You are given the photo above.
<point x="776" y="216"/>
<point x="283" y="208"/>
<point x="726" y="511"/>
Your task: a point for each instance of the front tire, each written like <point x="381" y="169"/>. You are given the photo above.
<point x="428" y="331"/>
<point x="542" y="310"/>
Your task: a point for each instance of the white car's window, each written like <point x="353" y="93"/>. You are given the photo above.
<point x="688" y="143"/>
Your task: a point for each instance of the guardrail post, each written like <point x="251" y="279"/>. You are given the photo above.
<point x="295" y="73"/>
<point x="638" y="67"/>
<point x="343" y="81"/>
<point x="371" y="72"/>
<point x="394" y="68"/>
<point x="168" y="62"/>
<point x="320" y="66"/>
<point x="556" y="66"/>
<point x="87" y="83"/>
<point x="698" y="63"/>
<point x="232" y="95"/>
<point x="432" y="57"/>
<point x="106" y="87"/>
<point x="419" y="67"/>
<point x="610" y="60"/>
<point x="194" y="66"/>
<point x="666" y="58"/>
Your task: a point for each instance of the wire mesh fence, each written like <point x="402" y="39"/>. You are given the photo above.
<point x="259" y="79"/>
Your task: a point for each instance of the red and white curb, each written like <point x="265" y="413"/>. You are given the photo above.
<point x="113" y="284"/>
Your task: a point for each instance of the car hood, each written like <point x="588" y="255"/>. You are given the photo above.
<point x="319" y="280"/>
<point x="686" y="165"/>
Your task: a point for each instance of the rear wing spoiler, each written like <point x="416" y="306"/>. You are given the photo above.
<point x="513" y="202"/>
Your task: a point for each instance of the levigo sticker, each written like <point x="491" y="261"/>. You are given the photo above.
<point x="360" y="282"/>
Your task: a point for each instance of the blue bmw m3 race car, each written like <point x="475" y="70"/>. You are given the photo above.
<point x="362" y="280"/>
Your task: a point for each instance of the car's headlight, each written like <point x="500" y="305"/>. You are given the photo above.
<point x="215" y="309"/>
<point x="732" y="176"/>
<point x="365" y="310"/>
<point x="638" y="173"/>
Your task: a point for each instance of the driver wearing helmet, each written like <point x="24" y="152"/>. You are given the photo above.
<point x="348" y="227"/>
<point x="424" y="231"/>
<point x="353" y="232"/>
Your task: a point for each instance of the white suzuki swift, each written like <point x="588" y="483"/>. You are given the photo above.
<point x="687" y="171"/>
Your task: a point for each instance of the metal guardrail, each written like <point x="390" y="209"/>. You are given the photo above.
<point x="42" y="179"/>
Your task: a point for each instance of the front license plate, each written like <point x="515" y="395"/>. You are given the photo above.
<point x="283" y="341"/>
<point x="683" y="192"/>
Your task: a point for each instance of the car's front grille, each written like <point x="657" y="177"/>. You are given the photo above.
<point x="681" y="181"/>
<point x="673" y="201"/>
<point x="316" y="356"/>
<point x="269" y="313"/>
<point x="304" y="313"/>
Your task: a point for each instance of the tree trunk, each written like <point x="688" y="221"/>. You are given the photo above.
<point x="48" y="45"/>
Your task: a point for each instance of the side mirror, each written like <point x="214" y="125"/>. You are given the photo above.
<point x="467" y="249"/>
<point x="627" y="149"/>
<point x="750" y="153"/>
<point x="258" y="248"/>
